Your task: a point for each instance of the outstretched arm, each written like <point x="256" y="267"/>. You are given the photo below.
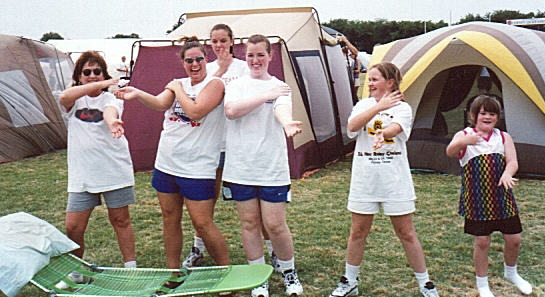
<point x="282" y="113"/>
<point x="160" y="102"/>
<point x="115" y="124"/>
<point x="69" y="96"/>
<point x="237" y="109"/>
<point x="209" y="97"/>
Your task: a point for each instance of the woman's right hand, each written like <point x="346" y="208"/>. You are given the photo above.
<point x="127" y="93"/>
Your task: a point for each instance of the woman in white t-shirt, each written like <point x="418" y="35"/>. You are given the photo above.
<point x="228" y="68"/>
<point x="258" y="108"/>
<point x="99" y="163"/>
<point x="381" y="176"/>
<point x="188" y="152"/>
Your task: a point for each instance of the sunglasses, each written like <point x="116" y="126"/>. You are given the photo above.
<point x="190" y="60"/>
<point x="96" y="71"/>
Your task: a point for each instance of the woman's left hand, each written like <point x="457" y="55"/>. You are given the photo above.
<point x="116" y="128"/>
<point x="507" y="181"/>
<point x="293" y="128"/>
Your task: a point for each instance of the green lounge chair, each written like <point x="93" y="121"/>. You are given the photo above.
<point x="110" y="281"/>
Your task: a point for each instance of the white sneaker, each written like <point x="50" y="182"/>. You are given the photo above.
<point x="274" y="263"/>
<point x="485" y="292"/>
<point x="523" y="286"/>
<point x="429" y="290"/>
<point x="292" y="283"/>
<point x="195" y="258"/>
<point x="344" y="288"/>
<point x="261" y="291"/>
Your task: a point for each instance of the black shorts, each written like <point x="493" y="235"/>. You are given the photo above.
<point x="510" y="225"/>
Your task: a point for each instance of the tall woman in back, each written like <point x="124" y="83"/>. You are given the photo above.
<point x="188" y="152"/>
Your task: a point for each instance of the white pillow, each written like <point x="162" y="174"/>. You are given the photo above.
<point x="26" y="245"/>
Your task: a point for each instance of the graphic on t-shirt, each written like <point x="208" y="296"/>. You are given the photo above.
<point x="377" y="124"/>
<point x="177" y="114"/>
<point x="89" y="115"/>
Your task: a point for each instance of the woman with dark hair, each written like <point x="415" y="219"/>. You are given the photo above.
<point x="99" y="162"/>
<point x="228" y="68"/>
<point x="188" y="152"/>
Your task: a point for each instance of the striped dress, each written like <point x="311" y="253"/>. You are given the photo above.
<point x="481" y="198"/>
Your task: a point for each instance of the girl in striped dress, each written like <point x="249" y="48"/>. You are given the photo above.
<point x="489" y="161"/>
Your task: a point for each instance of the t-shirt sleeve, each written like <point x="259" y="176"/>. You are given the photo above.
<point x="403" y="116"/>
<point x="364" y="58"/>
<point x="233" y="91"/>
<point x="360" y="107"/>
<point x="283" y="100"/>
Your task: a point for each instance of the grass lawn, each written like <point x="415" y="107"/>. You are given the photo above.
<point x="320" y="226"/>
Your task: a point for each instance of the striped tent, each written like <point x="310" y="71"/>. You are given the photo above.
<point x="441" y="71"/>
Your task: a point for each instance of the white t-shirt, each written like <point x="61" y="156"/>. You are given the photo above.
<point x="189" y="148"/>
<point x="237" y="68"/>
<point x="493" y="144"/>
<point x="125" y="72"/>
<point x="364" y="59"/>
<point x="97" y="162"/>
<point x="256" y="151"/>
<point x="383" y="174"/>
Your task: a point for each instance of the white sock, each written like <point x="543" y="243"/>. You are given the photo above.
<point x="257" y="261"/>
<point x="422" y="278"/>
<point x="511" y="274"/>
<point x="130" y="264"/>
<point x="286" y="265"/>
<point x="198" y="243"/>
<point x="268" y="243"/>
<point x="482" y="286"/>
<point x="351" y="272"/>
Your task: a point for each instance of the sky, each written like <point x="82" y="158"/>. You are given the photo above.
<point x="152" y="18"/>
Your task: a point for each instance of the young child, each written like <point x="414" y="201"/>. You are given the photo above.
<point x="381" y="177"/>
<point x="489" y="161"/>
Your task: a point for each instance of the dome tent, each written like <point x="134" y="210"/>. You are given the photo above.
<point x="32" y="75"/>
<point x="440" y="71"/>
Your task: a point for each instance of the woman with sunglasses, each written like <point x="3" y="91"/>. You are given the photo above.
<point x="99" y="162"/>
<point x="188" y="152"/>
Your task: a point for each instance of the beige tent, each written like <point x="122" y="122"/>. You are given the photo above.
<point x="305" y="57"/>
<point x="32" y="74"/>
<point x="440" y="73"/>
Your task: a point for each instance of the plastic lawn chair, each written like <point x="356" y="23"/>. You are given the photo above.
<point x="110" y="281"/>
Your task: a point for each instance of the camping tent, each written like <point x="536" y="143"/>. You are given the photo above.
<point x="440" y="75"/>
<point x="32" y="75"/>
<point x="316" y="73"/>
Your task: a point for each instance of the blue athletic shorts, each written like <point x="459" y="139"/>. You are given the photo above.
<point x="273" y="194"/>
<point x="190" y="188"/>
<point x="80" y="201"/>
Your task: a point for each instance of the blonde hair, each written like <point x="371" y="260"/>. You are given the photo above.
<point x="389" y="71"/>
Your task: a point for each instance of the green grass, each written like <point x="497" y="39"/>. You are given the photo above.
<point x="320" y="226"/>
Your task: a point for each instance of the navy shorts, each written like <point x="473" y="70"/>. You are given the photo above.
<point x="273" y="194"/>
<point x="190" y="188"/>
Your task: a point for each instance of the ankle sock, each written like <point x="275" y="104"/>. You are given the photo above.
<point x="511" y="274"/>
<point x="199" y="243"/>
<point x="422" y="278"/>
<point x="351" y="272"/>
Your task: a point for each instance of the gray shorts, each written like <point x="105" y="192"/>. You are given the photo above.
<point x="80" y="201"/>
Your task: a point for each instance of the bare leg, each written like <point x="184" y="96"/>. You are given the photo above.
<point x="171" y="208"/>
<point x="480" y="255"/>
<point x="274" y="222"/>
<point x="76" y="223"/>
<point x="217" y="189"/>
<point x="201" y="213"/>
<point x="359" y="230"/>
<point x="404" y="229"/>
<point x="121" y="221"/>
<point x="512" y="248"/>
<point x="250" y="222"/>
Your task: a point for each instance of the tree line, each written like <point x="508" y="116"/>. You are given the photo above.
<point x="54" y="35"/>
<point x="366" y="34"/>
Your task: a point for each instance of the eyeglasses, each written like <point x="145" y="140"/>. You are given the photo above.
<point x="190" y="60"/>
<point x="96" y="71"/>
